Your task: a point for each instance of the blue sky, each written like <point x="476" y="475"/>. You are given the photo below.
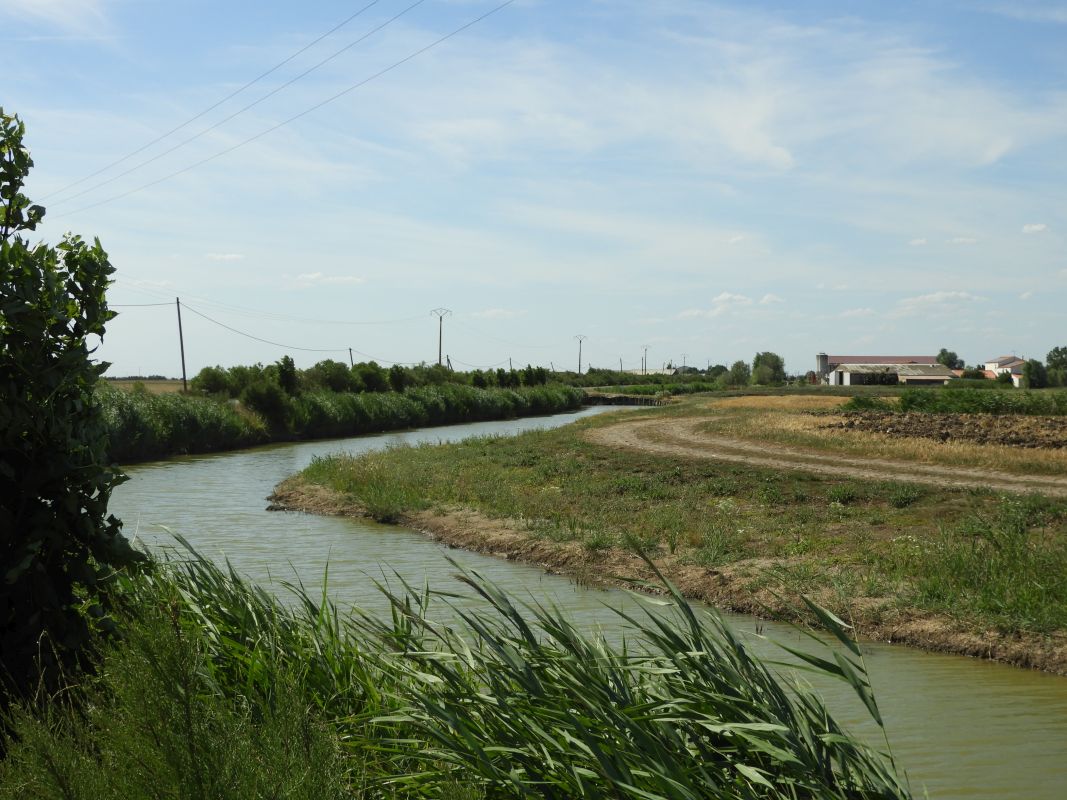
<point x="707" y="179"/>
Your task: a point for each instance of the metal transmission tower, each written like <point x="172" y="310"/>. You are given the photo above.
<point x="581" y="338"/>
<point x="440" y="313"/>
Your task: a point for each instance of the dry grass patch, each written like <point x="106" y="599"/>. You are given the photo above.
<point x="152" y="387"/>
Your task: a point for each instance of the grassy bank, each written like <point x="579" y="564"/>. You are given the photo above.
<point x="144" y="426"/>
<point x="954" y="569"/>
<point x="218" y="690"/>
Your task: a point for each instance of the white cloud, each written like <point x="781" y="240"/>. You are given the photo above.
<point x="962" y="240"/>
<point x="1035" y="227"/>
<point x="498" y="313"/>
<point x="768" y="299"/>
<point x="224" y="256"/>
<point x="1030" y="11"/>
<point x="858" y="312"/>
<point x="934" y="303"/>
<point x="917" y="242"/>
<point x="309" y="279"/>
<point x="1026" y="295"/>
<point x="721" y="304"/>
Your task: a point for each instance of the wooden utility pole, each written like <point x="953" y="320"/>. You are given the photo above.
<point x="580" y="339"/>
<point x="181" y="342"/>
<point x="440" y="313"/>
<point x="351" y="361"/>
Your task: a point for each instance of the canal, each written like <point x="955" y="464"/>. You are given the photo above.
<point x="961" y="728"/>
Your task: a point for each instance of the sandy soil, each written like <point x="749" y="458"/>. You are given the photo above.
<point x="683" y="437"/>
<point x="733" y="587"/>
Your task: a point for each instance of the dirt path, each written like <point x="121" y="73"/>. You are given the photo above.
<point x="682" y="437"/>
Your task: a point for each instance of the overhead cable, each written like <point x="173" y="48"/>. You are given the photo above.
<point x="504" y="341"/>
<point x="268" y="315"/>
<point x="242" y="110"/>
<point x="212" y="107"/>
<point x="295" y="117"/>
<point x="267" y="341"/>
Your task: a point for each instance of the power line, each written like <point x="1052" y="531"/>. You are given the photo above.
<point x="136" y="305"/>
<point x="484" y="335"/>
<point x="267" y="315"/>
<point x="290" y="346"/>
<point x="240" y="111"/>
<point x="481" y="366"/>
<point x="212" y="107"/>
<point x="266" y="341"/>
<point x="295" y="117"/>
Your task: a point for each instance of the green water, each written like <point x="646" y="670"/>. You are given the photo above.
<point x="961" y="728"/>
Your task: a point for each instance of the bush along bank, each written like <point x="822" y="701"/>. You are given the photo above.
<point x="143" y="426"/>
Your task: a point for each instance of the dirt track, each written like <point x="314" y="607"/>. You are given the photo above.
<point x="682" y="437"/>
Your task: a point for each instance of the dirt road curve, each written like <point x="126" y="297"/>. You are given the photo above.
<point x="682" y="437"/>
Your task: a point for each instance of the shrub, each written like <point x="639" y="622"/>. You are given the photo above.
<point x="58" y="546"/>
<point x="270" y="400"/>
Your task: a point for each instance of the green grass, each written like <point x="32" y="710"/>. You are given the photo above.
<point x="980" y="401"/>
<point x="717" y="514"/>
<point x="219" y="690"/>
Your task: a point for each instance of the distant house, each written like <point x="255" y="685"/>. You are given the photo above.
<point x="1010" y="364"/>
<point x="881" y="370"/>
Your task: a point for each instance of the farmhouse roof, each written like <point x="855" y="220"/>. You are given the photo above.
<point x="905" y="370"/>
<point x="882" y="359"/>
<point x="1007" y="361"/>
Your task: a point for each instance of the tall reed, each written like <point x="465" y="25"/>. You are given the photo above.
<point x="219" y="688"/>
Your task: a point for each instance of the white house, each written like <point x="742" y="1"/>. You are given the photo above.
<point x="1010" y="364"/>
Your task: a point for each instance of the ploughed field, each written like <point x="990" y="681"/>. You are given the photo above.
<point x="1012" y="431"/>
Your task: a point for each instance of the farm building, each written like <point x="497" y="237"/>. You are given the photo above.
<point x="881" y="370"/>
<point x="1010" y="364"/>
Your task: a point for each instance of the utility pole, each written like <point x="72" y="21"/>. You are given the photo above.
<point x="580" y="339"/>
<point x="351" y="361"/>
<point x="644" y="360"/>
<point x="440" y="313"/>
<point x="620" y="363"/>
<point x="510" y="368"/>
<point x="181" y="341"/>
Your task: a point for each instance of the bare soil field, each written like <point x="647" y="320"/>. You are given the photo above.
<point x="1014" y="431"/>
